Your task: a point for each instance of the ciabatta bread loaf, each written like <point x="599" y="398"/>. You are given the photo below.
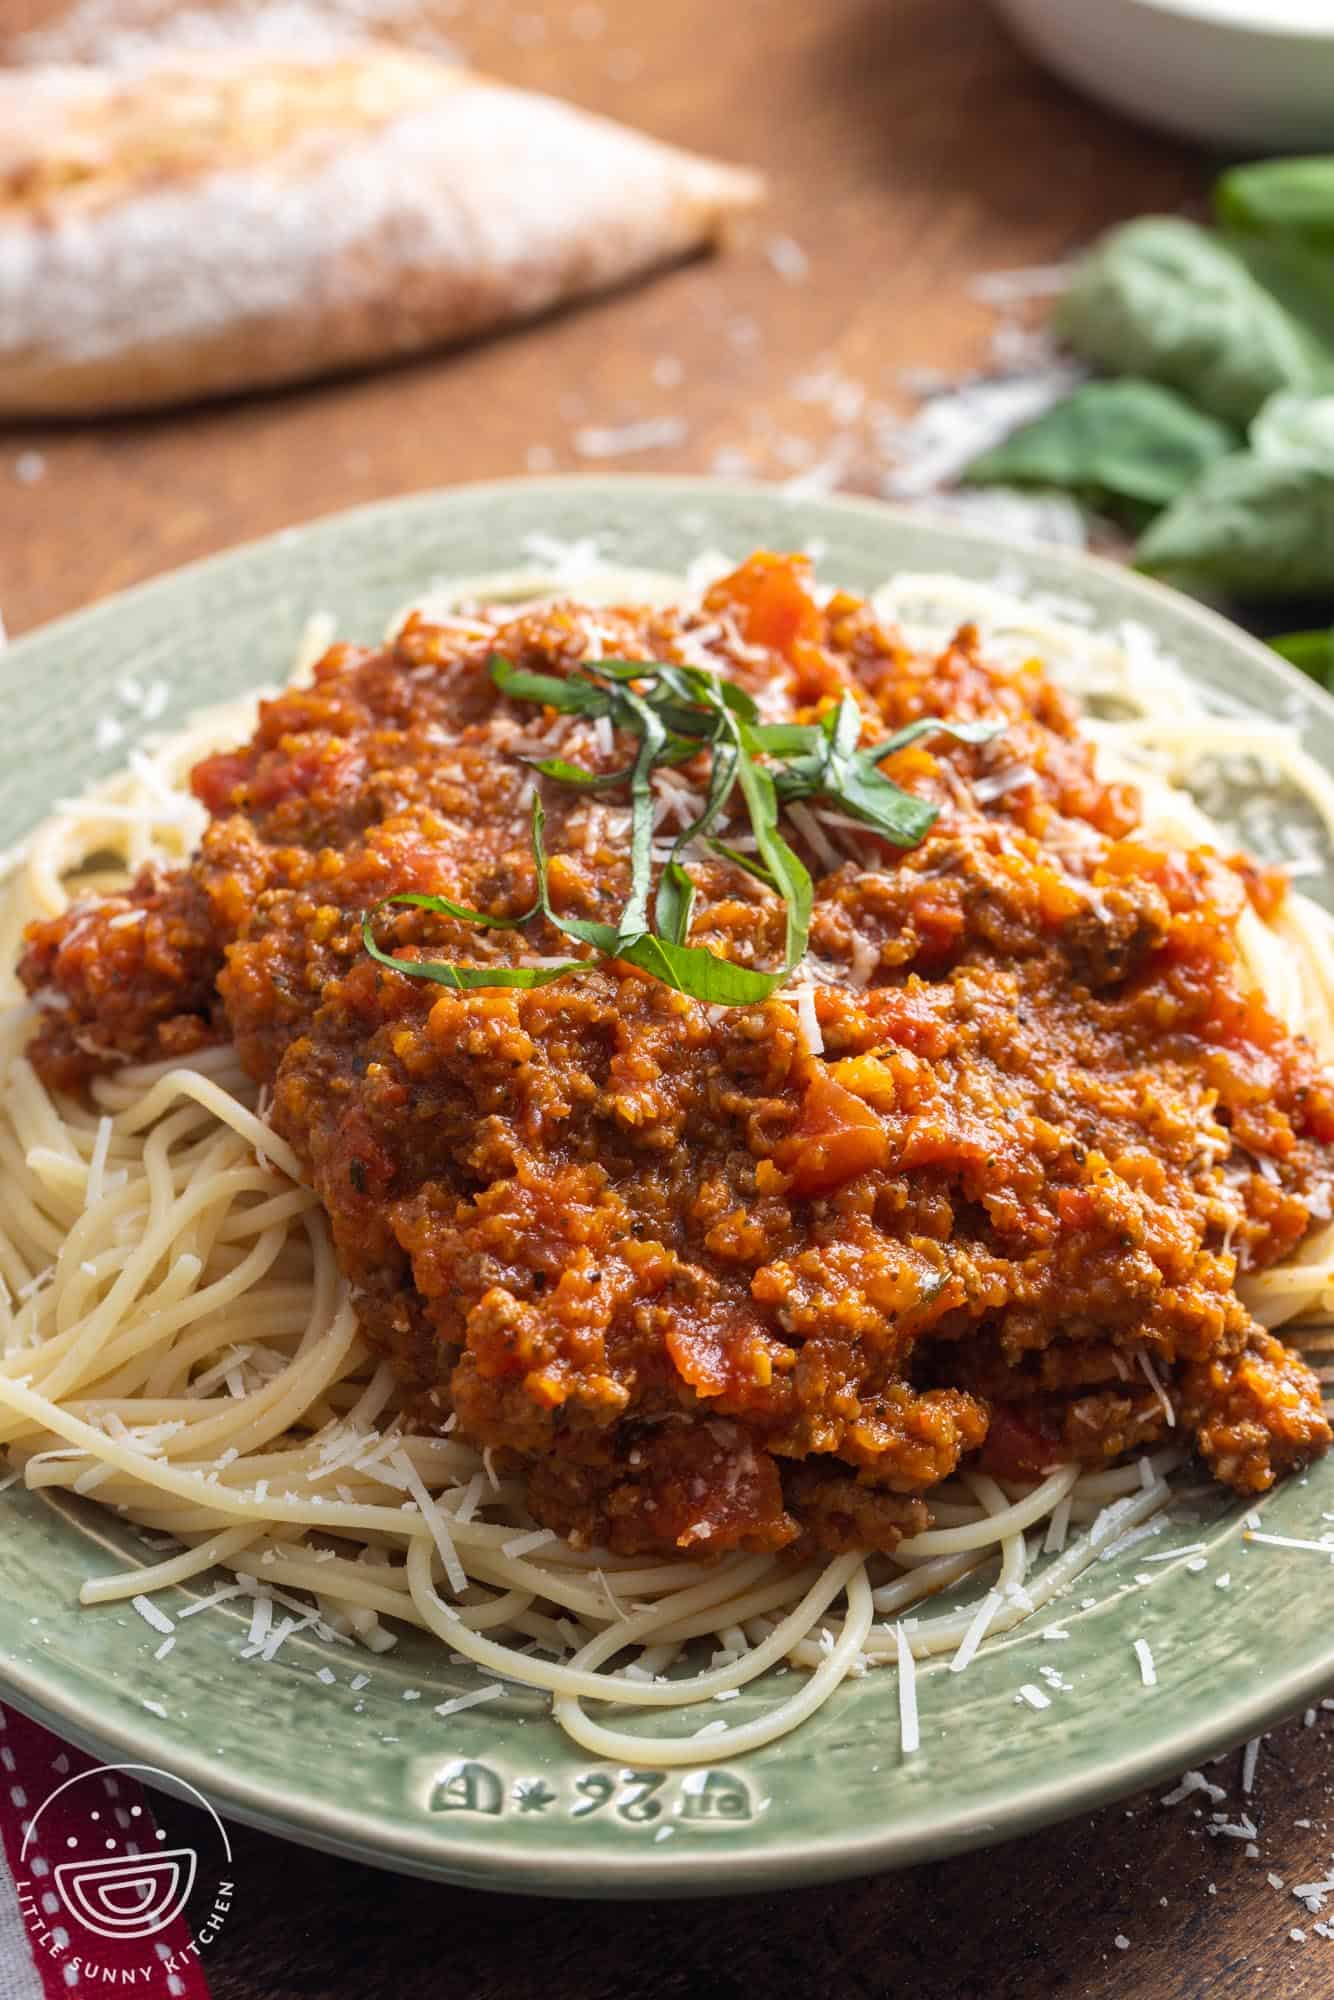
<point x="228" y="222"/>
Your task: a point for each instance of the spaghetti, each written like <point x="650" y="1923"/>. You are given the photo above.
<point x="178" y="1343"/>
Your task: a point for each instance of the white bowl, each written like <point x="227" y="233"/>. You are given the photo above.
<point x="1250" y="73"/>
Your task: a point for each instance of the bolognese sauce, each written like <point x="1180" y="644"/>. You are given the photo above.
<point x="975" y="1186"/>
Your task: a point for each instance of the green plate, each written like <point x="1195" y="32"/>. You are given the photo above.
<point x="494" y="1797"/>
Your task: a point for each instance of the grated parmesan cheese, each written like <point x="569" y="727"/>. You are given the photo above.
<point x="1249" y="1759"/>
<point x="472" y="1700"/>
<point x="977" y="1631"/>
<point x="909" y="1730"/>
<point x="524" y="1545"/>
<point x="434" y="1517"/>
<point x="809" y="1021"/>
<point x="151" y="1615"/>
<point x="1154" y="1381"/>
<point x="1323" y="1547"/>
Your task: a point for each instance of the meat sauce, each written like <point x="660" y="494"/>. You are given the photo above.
<point x="702" y="1287"/>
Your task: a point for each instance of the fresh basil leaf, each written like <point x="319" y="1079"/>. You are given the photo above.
<point x="1281" y="199"/>
<point x="1251" y="527"/>
<point x="786" y="739"/>
<point x="689" y="684"/>
<point x="984" y="731"/>
<point x="791" y="878"/>
<point x="689" y="968"/>
<point x="577" y="775"/>
<point x="463" y="977"/>
<point x="709" y="690"/>
<point x="1312" y="653"/>
<point x="470" y="978"/>
<point x="675" y="712"/>
<point x="441" y="906"/>
<point x="693" y="970"/>
<point x="1126" y="440"/>
<point x="1296" y="430"/>
<point x="606" y="938"/>
<point x="852" y="780"/>
<point x="1164" y="299"/>
<point x="571" y="697"/>
<point x="672" y="917"/>
<point x="467" y="977"/>
<point x="634" y="917"/>
<point x="747" y="862"/>
<point x="614" y="669"/>
<point x="898" y="816"/>
<point x="736" y="712"/>
<point x="675" y="901"/>
<point x="1302" y="281"/>
<point x="843" y="727"/>
<point x="737" y="700"/>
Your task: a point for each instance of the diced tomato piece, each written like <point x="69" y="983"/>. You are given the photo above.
<point x="773" y="595"/>
<point x="836" y="1137"/>
<point x="699" y="1357"/>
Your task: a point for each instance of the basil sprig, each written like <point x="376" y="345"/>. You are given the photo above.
<point x="676" y="713"/>
<point x="1127" y="445"/>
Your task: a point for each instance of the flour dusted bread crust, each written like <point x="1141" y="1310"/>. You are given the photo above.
<point x="231" y="222"/>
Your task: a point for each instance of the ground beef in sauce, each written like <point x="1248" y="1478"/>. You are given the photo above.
<point x="703" y="1288"/>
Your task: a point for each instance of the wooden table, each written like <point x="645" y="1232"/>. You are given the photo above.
<point x="910" y="145"/>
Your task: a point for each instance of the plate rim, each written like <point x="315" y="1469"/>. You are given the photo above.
<point x="472" y="1859"/>
<point x="862" y="506"/>
<point x="637" y="1875"/>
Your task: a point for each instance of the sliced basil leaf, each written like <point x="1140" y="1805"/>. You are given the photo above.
<point x="748" y="862"/>
<point x="791" y="878"/>
<point x="1281" y="199"/>
<point x="898" y="816"/>
<point x="469" y="978"/>
<point x="843" y="727"/>
<point x="675" y="712"/>
<point x="982" y="731"/>
<point x="577" y="775"/>
<point x="462" y="977"/>
<point x="571" y="697"/>
<point x="854" y="782"/>
<point x="614" y="669"/>
<point x="441" y="906"/>
<point x="786" y="739"/>
<point x="675" y="901"/>
<point x="700" y="973"/>
<point x="676" y="892"/>
<point x="466" y="977"/>
<point x="689" y="968"/>
<point x="634" y="917"/>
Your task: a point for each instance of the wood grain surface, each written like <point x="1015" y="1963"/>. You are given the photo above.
<point x="909" y="145"/>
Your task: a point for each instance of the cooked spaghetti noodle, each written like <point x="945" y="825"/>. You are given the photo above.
<point x="178" y="1343"/>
